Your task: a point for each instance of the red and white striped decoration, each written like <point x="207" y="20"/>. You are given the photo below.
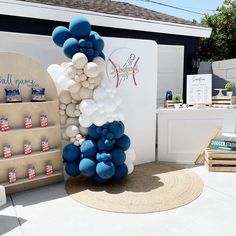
<point x="7" y="151"/>
<point x="31" y="172"/>
<point x="43" y="121"/>
<point x="49" y="169"/>
<point x="4" y="124"/>
<point x="27" y="148"/>
<point x="45" y="145"/>
<point x="28" y="122"/>
<point x="12" y="176"/>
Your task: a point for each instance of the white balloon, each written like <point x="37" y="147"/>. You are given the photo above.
<point x="62" y="106"/>
<point x="82" y="77"/>
<point x="130" y="155"/>
<point x="85" y="121"/>
<point x="100" y="62"/>
<point x="87" y="107"/>
<point x="72" y="121"/>
<point x="79" y="71"/>
<point x="63" y="134"/>
<point x="76" y="143"/>
<point x="63" y="119"/>
<point x="78" y="137"/>
<point x="65" y="97"/>
<point x="71" y="71"/>
<point x="91" y="69"/>
<point x="72" y="131"/>
<point x="69" y="83"/>
<point x="72" y="139"/>
<point x="77" y="113"/>
<point x="109" y="105"/>
<point x="70" y="110"/>
<point x="91" y="80"/>
<point x="85" y="84"/>
<point x="97" y="80"/>
<point x="81" y="141"/>
<point x="130" y="168"/>
<point x="74" y="87"/>
<point x="76" y="96"/>
<point x="99" y="94"/>
<point x="62" y="112"/>
<point x="85" y="93"/>
<point x="55" y="71"/>
<point x="79" y="60"/>
<point x="83" y="130"/>
<point x="99" y="119"/>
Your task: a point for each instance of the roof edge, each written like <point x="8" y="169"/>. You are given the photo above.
<point x="49" y="12"/>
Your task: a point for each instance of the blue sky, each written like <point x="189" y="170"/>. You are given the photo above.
<point x="200" y="6"/>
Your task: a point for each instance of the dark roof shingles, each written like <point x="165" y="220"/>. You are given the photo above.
<point x="114" y="8"/>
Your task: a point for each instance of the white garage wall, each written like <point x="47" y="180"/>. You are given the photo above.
<point x="137" y="60"/>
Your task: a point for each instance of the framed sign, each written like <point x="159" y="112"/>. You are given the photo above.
<point x="199" y="89"/>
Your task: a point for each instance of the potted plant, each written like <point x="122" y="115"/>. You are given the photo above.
<point x="230" y="86"/>
<point x="177" y="100"/>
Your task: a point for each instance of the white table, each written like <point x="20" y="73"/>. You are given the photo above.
<point x="183" y="133"/>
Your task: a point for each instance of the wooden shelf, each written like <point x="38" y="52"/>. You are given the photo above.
<point x="25" y="75"/>
<point x="26" y="104"/>
<point x="37" y="178"/>
<point x="39" y="181"/>
<point x="33" y="154"/>
<point x="34" y="129"/>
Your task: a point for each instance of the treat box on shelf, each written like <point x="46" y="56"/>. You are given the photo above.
<point x="40" y="180"/>
<point x="220" y="160"/>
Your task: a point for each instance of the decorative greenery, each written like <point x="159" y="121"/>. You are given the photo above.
<point x="230" y="86"/>
<point x="177" y="98"/>
<point x="222" y="43"/>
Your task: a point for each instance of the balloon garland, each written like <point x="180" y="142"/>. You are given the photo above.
<point x="90" y="113"/>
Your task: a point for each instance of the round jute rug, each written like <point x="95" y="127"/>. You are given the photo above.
<point x="151" y="187"/>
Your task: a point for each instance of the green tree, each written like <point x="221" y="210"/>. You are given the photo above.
<point x="222" y="43"/>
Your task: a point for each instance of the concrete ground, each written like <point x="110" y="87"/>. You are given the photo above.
<point x="48" y="211"/>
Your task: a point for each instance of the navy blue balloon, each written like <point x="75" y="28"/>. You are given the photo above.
<point x="121" y="172"/>
<point x="88" y="148"/>
<point x="102" y="146"/>
<point x="89" y="44"/>
<point x="71" y="47"/>
<point x="103" y="156"/>
<point x="105" y="169"/>
<point x="99" y="43"/>
<point x="101" y="54"/>
<point x="72" y="168"/>
<point x="90" y="52"/>
<point x="71" y="153"/>
<point x="118" y="156"/>
<point x="100" y="181"/>
<point x="82" y="42"/>
<point x="92" y="132"/>
<point x="80" y="27"/>
<point x="60" y="34"/>
<point x="123" y="142"/>
<point x="87" y="167"/>
<point x="96" y="53"/>
<point x="117" y="128"/>
<point x="83" y="50"/>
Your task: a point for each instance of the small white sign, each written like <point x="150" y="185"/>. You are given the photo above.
<point x="199" y="89"/>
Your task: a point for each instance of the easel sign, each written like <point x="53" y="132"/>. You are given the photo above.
<point x="199" y="89"/>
